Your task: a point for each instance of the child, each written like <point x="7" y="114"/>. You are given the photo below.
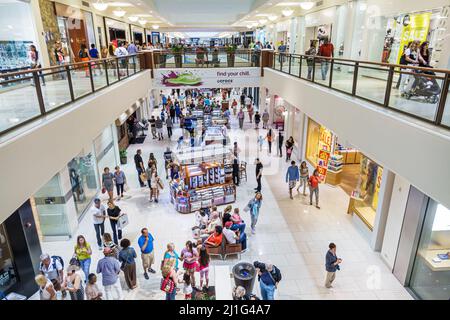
<point x="179" y="142"/>
<point x="187" y="288"/>
<point x="92" y="290"/>
<point x="204" y="266"/>
<point x="260" y="142"/>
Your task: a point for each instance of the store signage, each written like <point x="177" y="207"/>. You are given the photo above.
<point x="325" y="140"/>
<point x="207" y="77"/>
<point x="377" y="187"/>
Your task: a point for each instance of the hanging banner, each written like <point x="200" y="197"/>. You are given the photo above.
<point x="207" y="77"/>
<point x="415" y="27"/>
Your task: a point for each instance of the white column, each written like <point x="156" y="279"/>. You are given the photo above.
<point x="39" y="32"/>
<point x="348" y="39"/>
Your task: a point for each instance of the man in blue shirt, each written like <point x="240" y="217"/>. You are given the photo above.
<point x="331" y="265"/>
<point x="132" y="49"/>
<point x="93" y="52"/>
<point x="282" y="51"/>
<point x="292" y="176"/>
<point x="109" y="267"/>
<point x="145" y="242"/>
<point x="269" y="276"/>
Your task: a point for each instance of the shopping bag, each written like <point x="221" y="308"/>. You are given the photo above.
<point x="160" y="184"/>
<point x="123" y="221"/>
<point x="143" y="177"/>
<point x="103" y="190"/>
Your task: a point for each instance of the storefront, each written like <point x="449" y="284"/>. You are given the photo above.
<point x="76" y="28"/>
<point x="340" y="164"/>
<point x="17" y="33"/>
<point x="19" y="253"/>
<point x="138" y="34"/>
<point x="430" y="276"/>
<point x="117" y="31"/>
<point x="105" y="151"/>
<point x="320" y="25"/>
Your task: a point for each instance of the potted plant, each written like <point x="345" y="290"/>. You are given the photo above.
<point x="231" y="53"/>
<point x="177" y="49"/>
<point x="123" y="156"/>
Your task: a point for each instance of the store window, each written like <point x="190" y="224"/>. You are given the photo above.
<point x="7" y="273"/>
<point x="105" y="151"/>
<point x="82" y="172"/>
<point x="430" y="277"/>
<point x="367" y="189"/>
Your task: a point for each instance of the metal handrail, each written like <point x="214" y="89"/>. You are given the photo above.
<point x="390" y="69"/>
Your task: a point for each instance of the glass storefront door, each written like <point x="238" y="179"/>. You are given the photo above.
<point x="430" y="277"/>
<point x="7" y="271"/>
<point x="82" y="172"/>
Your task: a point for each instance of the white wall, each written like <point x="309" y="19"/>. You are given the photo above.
<point x="394" y="221"/>
<point x="16" y="21"/>
<point x="397" y="142"/>
<point x="31" y="159"/>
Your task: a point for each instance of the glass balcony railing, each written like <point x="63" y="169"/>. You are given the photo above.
<point x="415" y="91"/>
<point x="30" y="94"/>
<point x="206" y="58"/>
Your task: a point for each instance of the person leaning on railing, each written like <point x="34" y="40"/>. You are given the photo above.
<point x="326" y="50"/>
<point x="310" y="60"/>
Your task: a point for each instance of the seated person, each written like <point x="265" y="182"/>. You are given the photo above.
<point x="228" y="209"/>
<point x="239" y="293"/>
<point x="233" y="237"/>
<point x="226" y="218"/>
<point x="213" y="222"/>
<point x="201" y="220"/>
<point x="215" y="239"/>
<point x="238" y="223"/>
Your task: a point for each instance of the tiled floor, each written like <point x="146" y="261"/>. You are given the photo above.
<point x="290" y="233"/>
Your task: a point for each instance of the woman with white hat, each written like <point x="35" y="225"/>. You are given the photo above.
<point x="73" y="283"/>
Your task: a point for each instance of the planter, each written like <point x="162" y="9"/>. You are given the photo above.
<point x="123" y="160"/>
<point x="178" y="60"/>
<point x="230" y="59"/>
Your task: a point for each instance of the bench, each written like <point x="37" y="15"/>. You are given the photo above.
<point x="225" y="249"/>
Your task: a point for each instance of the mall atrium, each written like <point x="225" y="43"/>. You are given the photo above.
<point x="220" y="150"/>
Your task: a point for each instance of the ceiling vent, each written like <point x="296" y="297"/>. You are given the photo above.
<point x="85" y="3"/>
<point x="319" y="3"/>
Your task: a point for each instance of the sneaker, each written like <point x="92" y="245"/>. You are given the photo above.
<point x="253" y="231"/>
<point x="310" y="203"/>
<point x="156" y="200"/>
<point x="150" y="200"/>
<point x="317" y="207"/>
<point x="151" y="270"/>
<point x="146" y="276"/>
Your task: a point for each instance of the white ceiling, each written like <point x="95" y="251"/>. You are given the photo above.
<point x="200" y="12"/>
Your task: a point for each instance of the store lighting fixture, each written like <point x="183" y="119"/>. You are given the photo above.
<point x="155" y="26"/>
<point x="249" y="26"/>
<point x="119" y="12"/>
<point x="100" y="5"/>
<point x="133" y="18"/>
<point x="142" y="22"/>
<point x="263" y="21"/>
<point x="273" y="18"/>
<point x="306" y="5"/>
<point x="287" y="12"/>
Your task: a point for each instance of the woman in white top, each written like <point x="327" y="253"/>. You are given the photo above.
<point x="154" y="185"/>
<point x="46" y="289"/>
<point x="412" y="59"/>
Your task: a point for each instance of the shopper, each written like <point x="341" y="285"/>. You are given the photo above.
<point x="127" y="257"/>
<point x="93" y="52"/>
<point x="313" y="183"/>
<point x="52" y="269"/>
<point x="236" y="150"/>
<point x="73" y="283"/>
<point x="241" y="116"/>
<point x="304" y="176"/>
<point x="187" y="287"/>
<point x="139" y="163"/>
<point x="412" y="59"/>
<point x="35" y="62"/>
<point x="109" y="267"/>
<point x="92" y="290"/>
<point x="155" y="184"/>
<point x="169" y="125"/>
<point x="46" y="289"/>
<point x="250" y="111"/>
<point x="234" y="106"/>
<point x="332" y="263"/>
<point x="257" y="120"/>
<point x="236" y="172"/>
<point x="159" y="128"/>
<point x="152" y="162"/>
<point x="282" y="48"/>
<point x="326" y="50"/>
<point x="189" y="257"/>
<point x="83" y="54"/>
<point x="311" y="52"/>
<point x="203" y="262"/>
<point x="289" y="148"/>
<point x="280" y="144"/>
<point x="242" y="99"/>
<point x="292" y="176"/>
<point x="259" y="169"/>
<point x="114" y="216"/>
<point x="120" y="180"/>
<point x="60" y="59"/>
<point x="109" y="243"/>
<point x="83" y="252"/>
<point x="253" y="206"/>
<point x="215" y="239"/>
<point x="424" y="55"/>
<point x="108" y="183"/>
<point x="145" y="242"/>
<point x="171" y="256"/>
<point x="260" y="143"/>
<point x="169" y="281"/>
<point x="268" y="276"/>
<point x="99" y="215"/>
<point x="168" y="158"/>
<point x="270" y="137"/>
<point x="152" y="122"/>
<point x="265" y="118"/>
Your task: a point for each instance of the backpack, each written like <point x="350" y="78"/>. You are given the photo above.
<point x="54" y="258"/>
<point x="275" y="274"/>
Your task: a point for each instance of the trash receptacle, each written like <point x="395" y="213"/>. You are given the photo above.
<point x="244" y="274"/>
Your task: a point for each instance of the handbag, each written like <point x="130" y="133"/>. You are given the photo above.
<point x="123" y="221"/>
<point x="124" y="263"/>
<point x="103" y="190"/>
<point x="74" y="262"/>
<point x="160" y="183"/>
<point x="143" y="177"/>
<point x="167" y="284"/>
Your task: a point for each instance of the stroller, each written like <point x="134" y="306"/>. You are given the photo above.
<point x="426" y="87"/>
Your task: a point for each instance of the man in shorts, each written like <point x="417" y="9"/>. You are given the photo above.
<point x="292" y="176"/>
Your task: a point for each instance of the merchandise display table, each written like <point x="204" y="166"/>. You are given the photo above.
<point x="433" y="262"/>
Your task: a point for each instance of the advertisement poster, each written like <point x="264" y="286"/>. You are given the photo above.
<point x="207" y="77"/>
<point x="322" y="164"/>
<point x="415" y="27"/>
<point x="377" y="187"/>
